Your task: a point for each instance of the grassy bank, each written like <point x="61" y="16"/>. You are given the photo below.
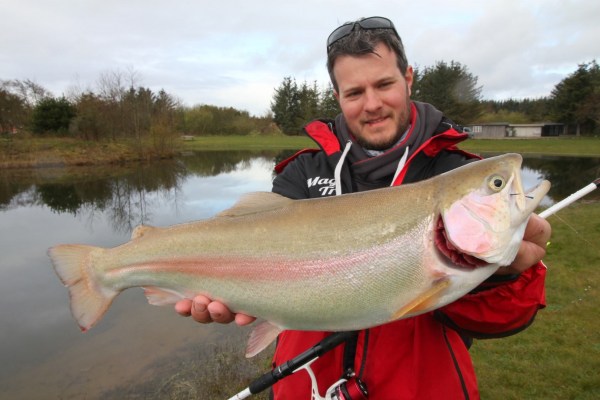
<point x="49" y="152"/>
<point x="547" y="146"/>
<point x="55" y="152"/>
<point x="558" y="357"/>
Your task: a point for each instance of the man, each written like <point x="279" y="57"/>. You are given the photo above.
<point x="424" y="357"/>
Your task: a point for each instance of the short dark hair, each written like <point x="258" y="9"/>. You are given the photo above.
<point x="363" y="41"/>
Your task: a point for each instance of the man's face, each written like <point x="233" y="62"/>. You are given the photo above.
<point x="374" y="97"/>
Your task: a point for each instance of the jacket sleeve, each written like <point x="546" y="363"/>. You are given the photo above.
<point x="498" y="310"/>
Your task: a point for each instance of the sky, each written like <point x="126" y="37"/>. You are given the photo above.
<point x="235" y="53"/>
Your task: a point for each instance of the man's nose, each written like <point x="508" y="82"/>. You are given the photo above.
<point x="372" y="100"/>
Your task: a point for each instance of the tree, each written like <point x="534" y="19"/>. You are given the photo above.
<point x="17" y="99"/>
<point x="574" y="99"/>
<point x="13" y="111"/>
<point x="89" y="123"/>
<point x="28" y="91"/>
<point x="308" y="103"/>
<point x="286" y="106"/>
<point x="451" y="88"/>
<point x="328" y="104"/>
<point x="52" y="115"/>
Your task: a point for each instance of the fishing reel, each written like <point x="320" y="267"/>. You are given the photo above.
<point x="351" y="389"/>
<point x="348" y="388"/>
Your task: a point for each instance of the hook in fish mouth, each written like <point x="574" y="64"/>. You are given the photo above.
<point x="444" y="245"/>
<point x="526" y="196"/>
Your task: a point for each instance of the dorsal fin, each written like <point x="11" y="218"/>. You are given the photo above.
<point x="254" y="203"/>
<point x="141" y="230"/>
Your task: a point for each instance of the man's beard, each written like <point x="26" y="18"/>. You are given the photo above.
<point x="382" y="146"/>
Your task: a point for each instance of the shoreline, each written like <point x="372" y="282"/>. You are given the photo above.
<point x="46" y="153"/>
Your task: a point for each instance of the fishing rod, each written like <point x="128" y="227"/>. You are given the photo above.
<point x="304" y="360"/>
<point x="570" y="199"/>
<point x="289" y="367"/>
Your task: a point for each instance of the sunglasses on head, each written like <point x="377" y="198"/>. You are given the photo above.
<point x="367" y="24"/>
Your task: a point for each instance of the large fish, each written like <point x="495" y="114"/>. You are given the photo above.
<point x="336" y="263"/>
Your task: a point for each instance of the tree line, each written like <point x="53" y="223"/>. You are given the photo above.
<point x="450" y="87"/>
<point x="119" y="108"/>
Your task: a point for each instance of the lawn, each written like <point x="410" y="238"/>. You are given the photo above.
<point x="558" y="357"/>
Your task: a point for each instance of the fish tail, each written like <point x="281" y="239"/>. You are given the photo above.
<point x="89" y="300"/>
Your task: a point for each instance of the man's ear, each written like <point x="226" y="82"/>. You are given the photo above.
<point x="409" y="77"/>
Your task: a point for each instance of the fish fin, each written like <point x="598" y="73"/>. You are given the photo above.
<point x="161" y="297"/>
<point x="255" y="203"/>
<point x="261" y="337"/>
<point x="424" y="300"/>
<point x="89" y="301"/>
<point x="141" y="230"/>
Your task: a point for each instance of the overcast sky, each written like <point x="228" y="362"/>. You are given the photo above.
<point x="234" y="53"/>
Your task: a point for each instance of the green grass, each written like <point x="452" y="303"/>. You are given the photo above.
<point x="548" y="146"/>
<point x="205" y="143"/>
<point x="558" y="357"/>
<point x="25" y="152"/>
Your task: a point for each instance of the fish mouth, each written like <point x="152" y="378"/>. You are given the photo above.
<point x="450" y="251"/>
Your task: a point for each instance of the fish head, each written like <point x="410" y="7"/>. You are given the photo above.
<point x="483" y="218"/>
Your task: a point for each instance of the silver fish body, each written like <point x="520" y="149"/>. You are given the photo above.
<point x="337" y="263"/>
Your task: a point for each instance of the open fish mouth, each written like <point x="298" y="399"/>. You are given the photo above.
<point x="450" y="251"/>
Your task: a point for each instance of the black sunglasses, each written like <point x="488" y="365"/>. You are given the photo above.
<point x="367" y="23"/>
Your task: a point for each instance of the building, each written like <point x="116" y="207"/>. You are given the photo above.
<point x="502" y="130"/>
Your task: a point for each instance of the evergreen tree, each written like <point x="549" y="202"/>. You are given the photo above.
<point x="308" y="103"/>
<point x="286" y="106"/>
<point x="328" y="104"/>
<point x="575" y="99"/>
<point x="451" y="88"/>
<point x="52" y="115"/>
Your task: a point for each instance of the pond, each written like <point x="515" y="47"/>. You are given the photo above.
<point x="137" y="351"/>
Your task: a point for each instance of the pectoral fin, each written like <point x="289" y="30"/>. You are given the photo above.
<point x="424" y="301"/>
<point x="261" y="337"/>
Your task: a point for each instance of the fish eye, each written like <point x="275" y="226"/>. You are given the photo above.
<point x="497" y="183"/>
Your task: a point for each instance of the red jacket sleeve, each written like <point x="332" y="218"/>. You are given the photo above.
<point x="499" y="311"/>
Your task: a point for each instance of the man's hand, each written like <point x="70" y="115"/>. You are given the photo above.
<point x="533" y="246"/>
<point x="204" y="310"/>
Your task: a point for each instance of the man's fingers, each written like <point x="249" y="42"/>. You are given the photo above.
<point x="184" y="307"/>
<point x="200" y="311"/>
<point x="204" y="310"/>
<point x="220" y="313"/>
<point x="243" y="319"/>
<point x="538" y="231"/>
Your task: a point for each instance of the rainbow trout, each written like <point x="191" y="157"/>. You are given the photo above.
<point x="336" y="263"/>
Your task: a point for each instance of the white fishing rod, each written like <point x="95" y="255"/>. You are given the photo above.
<point x="570" y="200"/>
<point x="304" y="360"/>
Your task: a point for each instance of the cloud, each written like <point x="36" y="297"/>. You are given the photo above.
<point x="235" y="54"/>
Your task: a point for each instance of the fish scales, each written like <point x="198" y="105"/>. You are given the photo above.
<point x="335" y="263"/>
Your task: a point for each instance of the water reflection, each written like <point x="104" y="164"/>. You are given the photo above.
<point x="50" y="358"/>
<point x="123" y="191"/>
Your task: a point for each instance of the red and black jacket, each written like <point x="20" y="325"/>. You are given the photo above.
<point x="424" y="357"/>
